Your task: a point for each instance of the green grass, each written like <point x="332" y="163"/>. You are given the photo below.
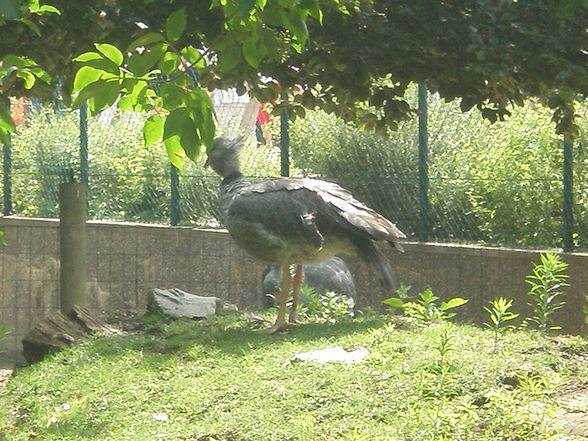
<point x="224" y="380"/>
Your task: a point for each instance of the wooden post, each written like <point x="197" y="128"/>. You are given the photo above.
<point x="72" y="231"/>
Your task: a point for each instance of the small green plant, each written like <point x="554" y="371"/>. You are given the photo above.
<point x="444" y="347"/>
<point x="327" y="306"/>
<point x="499" y="316"/>
<point x="546" y="281"/>
<point x="425" y="308"/>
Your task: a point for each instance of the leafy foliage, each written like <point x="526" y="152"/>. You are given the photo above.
<point x="145" y="57"/>
<point x="16" y="69"/>
<point x="491" y="54"/>
<point x="128" y="179"/>
<point x="328" y="306"/>
<point x="499" y="313"/>
<point x="546" y="281"/>
<point x="489" y="183"/>
<point x="424" y="307"/>
<point x="351" y="59"/>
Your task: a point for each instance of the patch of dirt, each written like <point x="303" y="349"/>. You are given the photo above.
<point x="574" y="417"/>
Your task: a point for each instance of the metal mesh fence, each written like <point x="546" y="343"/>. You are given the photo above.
<point x="129" y="182"/>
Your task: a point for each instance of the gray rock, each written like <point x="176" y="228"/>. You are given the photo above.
<point x="177" y="303"/>
<point x="330" y="275"/>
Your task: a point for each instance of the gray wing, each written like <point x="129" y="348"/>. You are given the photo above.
<point x="337" y="203"/>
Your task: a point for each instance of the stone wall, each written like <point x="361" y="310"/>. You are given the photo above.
<point x="126" y="260"/>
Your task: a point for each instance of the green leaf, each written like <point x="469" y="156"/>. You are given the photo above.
<point x="88" y="56"/>
<point x="252" y="50"/>
<point x="313" y="8"/>
<point x="32" y="26"/>
<point x="175" y="155"/>
<point x="86" y="75"/>
<point x="4" y="136"/>
<point x="245" y="6"/>
<point x="28" y="78"/>
<point x="100" y="94"/>
<point x="175" y="122"/>
<point x="141" y="64"/>
<point x="41" y="74"/>
<point x="98" y="61"/>
<point x="6" y="121"/>
<point x="33" y="5"/>
<point x="270" y="44"/>
<point x="104" y="95"/>
<point x="172" y="95"/>
<point x="194" y="57"/>
<point x="49" y="9"/>
<point x="189" y="140"/>
<point x="172" y="133"/>
<point x="453" y="303"/>
<point x="145" y="41"/>
<point x="175" y="25"/>
<point x="104" y="64"/>
<point x="9" y="9"/>
<point x="428" y="297"/>
<point x="230" y="57"/>
<point x="111" y="52"/>
<point x="179" y="133"/>
<point x="271" y="15"/>
<point x="296" y="23"/>
<point x="153" y="129"/>
<point x="168" y="63"/>
<point x="394" y="302"/>
<point x="201" y="103"/>
<point x="134" y="95"/>
<point x="16" y="61"/>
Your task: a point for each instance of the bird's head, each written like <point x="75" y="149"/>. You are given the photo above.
<point x="223" y="156"/>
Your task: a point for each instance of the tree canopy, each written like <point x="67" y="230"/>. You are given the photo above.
<point x="351" y="58"/>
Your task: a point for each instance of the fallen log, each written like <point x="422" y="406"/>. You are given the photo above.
<point x="59" y="331"/>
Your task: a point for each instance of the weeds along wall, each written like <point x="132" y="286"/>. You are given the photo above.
<point x="126" y="260"/>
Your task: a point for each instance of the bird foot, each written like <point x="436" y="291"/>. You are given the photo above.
<point x="293" y="321"/>
<point x="277" y="327"/>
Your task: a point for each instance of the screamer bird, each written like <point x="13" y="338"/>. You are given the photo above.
<point x="297" y="221"/>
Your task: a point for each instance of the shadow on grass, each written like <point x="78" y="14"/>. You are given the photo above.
<point x="231" y="336"/>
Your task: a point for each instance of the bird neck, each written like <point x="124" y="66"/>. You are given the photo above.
<point x="230" y="187"/>
<point x="232" y="177"/>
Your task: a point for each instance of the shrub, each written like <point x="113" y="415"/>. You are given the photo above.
<point x="491" y="183"/>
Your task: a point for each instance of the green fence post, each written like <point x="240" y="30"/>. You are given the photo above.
<point x="84" y="143"/>
<point x="424" y="226"/>
<point x="568" y="196"/>
<point x="284" y="143"/>
<point x="174" y="208"/>
<point x="7" y="173"/>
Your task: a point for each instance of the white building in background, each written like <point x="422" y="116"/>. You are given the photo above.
<point x="236" y="113"/>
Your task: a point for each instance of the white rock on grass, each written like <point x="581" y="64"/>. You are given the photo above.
<point x="332" y="355"/>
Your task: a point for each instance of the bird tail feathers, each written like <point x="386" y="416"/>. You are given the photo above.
<point x="376" y="260"/>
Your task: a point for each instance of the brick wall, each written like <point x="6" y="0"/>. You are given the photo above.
<point x="125" y="261"/>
